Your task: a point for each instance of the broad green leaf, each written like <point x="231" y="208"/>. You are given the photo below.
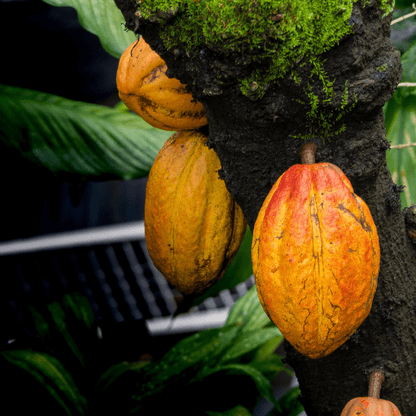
<point x="247" y="342"/>
<point x="200" y="349"/>
<point x="104" y="19"/>
<point x="238" y="271"/>
<point x="48" y="371"/>
<point x="403" y="33"/>
<point x="408" y="60"/>
<point x="400" y="123"/>
<point x="237" y="411"/>
<point x="66" y="136"/>
<point x="248" y="312"/>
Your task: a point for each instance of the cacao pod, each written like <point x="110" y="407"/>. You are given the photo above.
<point x="316" y="258"/>
<point x="146" y="90"/>
<point x="193" y="226"/>
<point x="371" y="405"/>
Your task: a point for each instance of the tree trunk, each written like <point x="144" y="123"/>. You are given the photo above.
<point x="258" y="139"/>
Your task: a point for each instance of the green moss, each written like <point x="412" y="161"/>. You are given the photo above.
<point x="277" y="35"/>
<point x="382" y="68"/>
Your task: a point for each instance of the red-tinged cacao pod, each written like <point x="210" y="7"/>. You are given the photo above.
<point x="193" y="226"/>
<point x="146" y="90"/>
<point x="371" y="405"/>
<point x="316" y="258"/>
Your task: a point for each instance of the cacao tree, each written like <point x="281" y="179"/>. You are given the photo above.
<point x="271" y="76"/>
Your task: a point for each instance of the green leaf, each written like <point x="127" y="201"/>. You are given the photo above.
<point x="247" y="342"/>
<point x="238" y="271"/>
<point x="408" y="60"/>
<point x="48" y="371"/>
<point x="68" y="329"/>
<point x="78" y="305"/>
<point x="104" y="19"/>
<point x="248" y="312"/>
<point x="262" y="383"/>
<point x="400" y="123"/>
<point x="237" y="411"/>
<point x="117" y="370"/>
<point x="290" y="403"/>
<point x="268" y="349"/>
<point x="66" y="136"/>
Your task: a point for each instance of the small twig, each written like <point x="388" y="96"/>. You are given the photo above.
<point x="404" y="17"/>
<point x="407" y="84"/>
<point x="402" y="146"/>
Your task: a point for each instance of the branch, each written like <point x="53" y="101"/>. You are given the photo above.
<point x="407" y="84"/>
<point x="404" y="17"/>
<point x="402" y="146"/>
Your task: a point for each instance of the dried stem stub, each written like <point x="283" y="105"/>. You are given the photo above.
<point x="307" y="153"/>
<point x="376" y="380"/>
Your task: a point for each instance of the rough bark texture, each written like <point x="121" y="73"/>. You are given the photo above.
<point x="254" y="141"/>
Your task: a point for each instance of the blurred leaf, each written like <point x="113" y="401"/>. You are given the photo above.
<point x="115" y="371"/>
<point x="268" y="348"/>
<point x="400" y="123"/>
<point x="68" y="136"/>
<point x="68" y="330"/>
<point x="238" y="271"/>
<point x="400" y="4"/>
<point x="262" y="383"/>
<point x="237" y="411"/>
<point x="104" y="19"/>
<point x="48" y="371"/>
<point x="248" y="312"/>
<point x="78" y="305"/>
<point x="408" y="60"/>
<point x="290" y="404"/>
<point x="247" y="342"/>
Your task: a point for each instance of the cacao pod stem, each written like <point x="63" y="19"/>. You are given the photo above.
<point x="376" y="380"/>
<point x="307" y="153"/>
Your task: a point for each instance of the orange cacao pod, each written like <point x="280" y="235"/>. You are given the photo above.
<point x="146" y="90"/>
<point x="193" y="226"/>
<point x="316" y="258"/>
<point x="369" y="406"/>
<point x="372" y="405"/>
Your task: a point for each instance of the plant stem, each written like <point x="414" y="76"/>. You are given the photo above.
<point x="376" y="380"/>
<point x="404" y="17"/>
<point x="307" y="153"/>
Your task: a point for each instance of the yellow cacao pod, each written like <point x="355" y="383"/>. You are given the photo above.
<point x="316" y="258"/>
<point x="193" y="226"/>
<point x="146" y="90"/>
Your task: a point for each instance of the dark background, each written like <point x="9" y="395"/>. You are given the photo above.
<point x="44" y="48"/>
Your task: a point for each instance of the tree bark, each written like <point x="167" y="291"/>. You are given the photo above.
<point x="256" y="142"/>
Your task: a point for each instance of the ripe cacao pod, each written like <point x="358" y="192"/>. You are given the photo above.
<point x="193" y="226"/>
<point x="371" y="405"/>
<point x="146" y="90"/>
<point x="316" y="257"/>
